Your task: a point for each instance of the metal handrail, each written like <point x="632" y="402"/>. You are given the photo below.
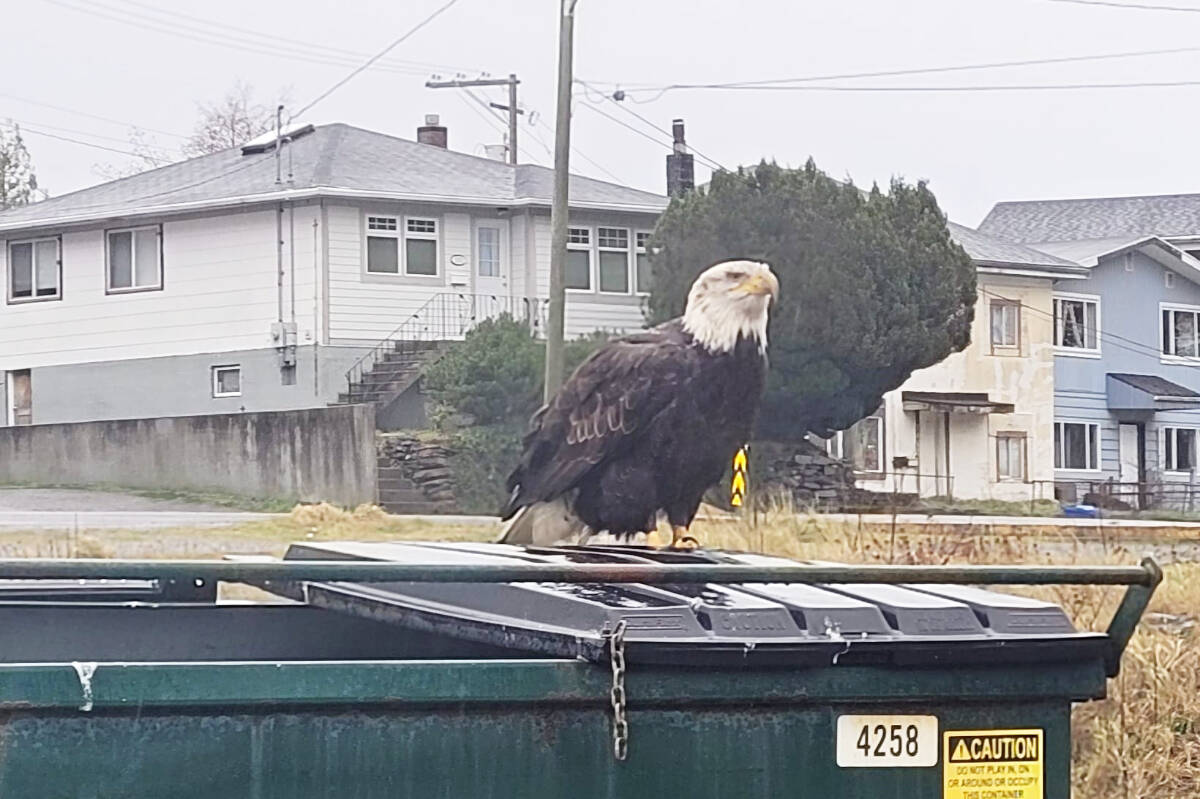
<point x="447" y="316"/>
<point x="1147" y="574"/>
<point x="1141" y="580"/>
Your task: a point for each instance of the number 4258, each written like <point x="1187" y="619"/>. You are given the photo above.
<point x="883" y="740"/>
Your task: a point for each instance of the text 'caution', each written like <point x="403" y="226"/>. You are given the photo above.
<point x="993" y="764"/>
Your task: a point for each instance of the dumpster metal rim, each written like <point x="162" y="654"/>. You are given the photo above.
<point x="1147" y="574"/>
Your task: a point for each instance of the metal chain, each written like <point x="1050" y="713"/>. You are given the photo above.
<point x="620" y="726"/>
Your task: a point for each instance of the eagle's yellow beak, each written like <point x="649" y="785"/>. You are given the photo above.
<point x="761" y="283"/>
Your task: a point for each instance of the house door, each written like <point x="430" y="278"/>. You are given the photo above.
<point x="20" y="392"/>
<point x="491" y="269"/>
<point x="1130" y="455"/>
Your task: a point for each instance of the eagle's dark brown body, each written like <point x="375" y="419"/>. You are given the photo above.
<point x="649" y="422"/>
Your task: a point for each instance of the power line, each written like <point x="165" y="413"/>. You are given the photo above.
<point x="354" y="55"/>
<point x="712" y="162"/>
<point x="92" y="116"/>
<point x="1166" y="84"/>
<point x="438" y="12"/>
<point x="1135" y="6"/>
<point x="35" y="131"/>
<point x="1130" y="345"/>
<point x="639" y="132"/>
<point x="574" y="149"/>
<point x="304" y="52"/>
<point x="661" y="90"/>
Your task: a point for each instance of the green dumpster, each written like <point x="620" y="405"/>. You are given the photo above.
<point x="404" y="670"/>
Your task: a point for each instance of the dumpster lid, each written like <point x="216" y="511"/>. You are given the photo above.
<point x="695" y="624"/>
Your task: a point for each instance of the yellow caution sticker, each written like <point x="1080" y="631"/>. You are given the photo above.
<point x="993" y="764"/>
<point x="739" y="485"/>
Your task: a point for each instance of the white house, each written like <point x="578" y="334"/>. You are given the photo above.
<point x="255" y="278"/>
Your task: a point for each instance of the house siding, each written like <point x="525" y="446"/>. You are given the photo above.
<point x="1130" y="342"/>
<point x="1024" y="378"/>
<point x="219" y="293"/>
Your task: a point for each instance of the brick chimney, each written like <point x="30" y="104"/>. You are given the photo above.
<point x="432" y="132"/>
<point x="681" y="173"/>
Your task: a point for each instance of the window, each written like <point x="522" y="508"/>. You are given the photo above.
<point x="1179" y="449"/>
<point x="420" y="246"/>
<point x="1010" y="456"/>
<point x="1180" y="331"/>
<point x="1077" y="323"/>
<point x="1077" y="446"/>
<point x="33" y="270"/>
<point x="488" y="252"/>
<point x="835" y="446"/>
<point x="643" y="263"/>
<point x="862" y="444"/>
<point x="614" y="259"/>
<point x="227" y="381"/>
<point x="578" y="273"/>
<point x="1006" y="324"/>
<point x="134" y="260"/>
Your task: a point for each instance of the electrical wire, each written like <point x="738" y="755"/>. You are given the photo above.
<point x="1134" y="6"/>
<point x="304" y="53"/>
<point x="1120" y="342"/>
<point x="711" y="162"/>
<point x="97" y="117"/>
<point x="35" y="131"/>
<point x="639" y="132"/>
<point x="632" y="89"/>
<point x="550" y="151"/>
<point x="354" y="55"/>
<point x="395" y="43"/>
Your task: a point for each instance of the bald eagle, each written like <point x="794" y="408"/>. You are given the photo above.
<point x="649" y="421"/>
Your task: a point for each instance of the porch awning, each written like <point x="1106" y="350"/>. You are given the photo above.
<point x="1151" y="393"/>
<point x="953" y="402"/>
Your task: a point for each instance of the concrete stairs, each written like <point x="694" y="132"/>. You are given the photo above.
<point x="398" y="494"/>
<point x="394" y="373"/>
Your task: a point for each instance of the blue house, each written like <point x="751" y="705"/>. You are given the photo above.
<point x="1126" y="341"/>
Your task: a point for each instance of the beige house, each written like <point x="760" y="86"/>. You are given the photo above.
<point x="980" y="424"/>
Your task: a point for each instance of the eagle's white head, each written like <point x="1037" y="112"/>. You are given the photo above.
<point x="728" y="301"/>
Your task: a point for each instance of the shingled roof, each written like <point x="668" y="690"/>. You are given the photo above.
<point x="335" y="160"/>
<point x="989" y="251"/>
<point x="1039" y="221"/>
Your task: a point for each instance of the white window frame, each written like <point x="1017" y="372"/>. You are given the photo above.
<point x="58" y="288"/>
<point x="1023" y="438"/>
<point x="640" y="249"/>
<point x="216" y="383"/>
<point x="1007" y="349"/>
<point x="590" y="249"/>
<point x="880" y="444"/>
<point x="1174" y="307"/>
<point x="422" y="235"/>
<point x="133" y="231"/>
<point x="1060" y="440"/>
<point x="401" y="234"/>
<point x="627" y="251"/>
<point x="1173" y="468"/>
<point x="1076" y="352"/>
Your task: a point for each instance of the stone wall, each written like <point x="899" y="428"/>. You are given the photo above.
<point x="424" y="461"/>
<point x="813" y="479"/>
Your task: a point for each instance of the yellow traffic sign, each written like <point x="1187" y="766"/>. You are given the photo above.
<point x="741" y="479"/>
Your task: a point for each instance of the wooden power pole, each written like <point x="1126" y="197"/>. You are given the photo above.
<point x="511" y="82"/>
<point x="558" y="207"/>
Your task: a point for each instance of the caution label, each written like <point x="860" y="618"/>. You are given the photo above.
<point x="993" y="764"/>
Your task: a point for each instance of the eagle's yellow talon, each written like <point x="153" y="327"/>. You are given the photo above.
<point x="682" y="539"/>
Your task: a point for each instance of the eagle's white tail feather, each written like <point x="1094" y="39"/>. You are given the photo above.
<point x="545" y="524"/>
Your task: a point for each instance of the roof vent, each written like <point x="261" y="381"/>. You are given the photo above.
<point x="266" y="141"/>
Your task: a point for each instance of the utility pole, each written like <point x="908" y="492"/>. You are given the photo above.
<point x="558" y="207"/>
<point x="511" y="82"/>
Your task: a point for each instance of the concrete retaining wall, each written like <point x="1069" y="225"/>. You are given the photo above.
<point x="309" y="455"/>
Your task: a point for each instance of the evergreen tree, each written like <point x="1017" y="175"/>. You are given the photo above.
<point x="18" y="182"/>
<point x="873" y="287"/>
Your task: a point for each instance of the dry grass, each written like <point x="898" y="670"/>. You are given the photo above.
<point x="1141" y="742"/>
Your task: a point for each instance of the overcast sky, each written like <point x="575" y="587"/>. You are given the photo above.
<point x="149" y="63"/>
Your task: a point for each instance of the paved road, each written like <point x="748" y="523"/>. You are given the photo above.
<point x="68" y="509"/>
